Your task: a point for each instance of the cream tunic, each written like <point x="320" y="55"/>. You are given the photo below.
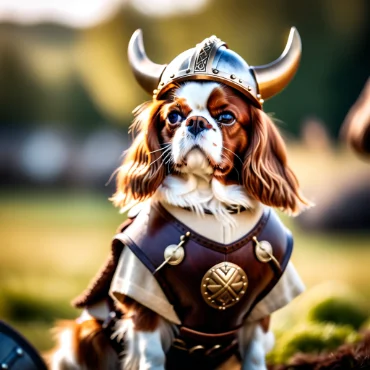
<point x="133" y="279"/>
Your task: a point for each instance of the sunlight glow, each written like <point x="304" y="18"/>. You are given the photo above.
<point x="74" y="13"/>
<point x="162" y="8"/>
<point x="87" y="13"/>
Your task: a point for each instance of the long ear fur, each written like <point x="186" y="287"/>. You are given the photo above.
<point x="142" y="170"/>
<point x="266" y="174"/>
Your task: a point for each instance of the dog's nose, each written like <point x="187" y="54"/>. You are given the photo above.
<point x="197" y="124"/>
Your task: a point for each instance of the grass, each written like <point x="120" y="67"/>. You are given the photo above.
<point x="52" y="244"/>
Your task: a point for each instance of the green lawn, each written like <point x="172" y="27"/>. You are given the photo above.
<point x="53" y="243"/>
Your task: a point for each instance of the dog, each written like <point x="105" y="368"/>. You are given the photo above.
<point x="200" y="179"/>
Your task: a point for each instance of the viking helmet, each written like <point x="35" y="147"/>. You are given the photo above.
<point x="213" y="60"/>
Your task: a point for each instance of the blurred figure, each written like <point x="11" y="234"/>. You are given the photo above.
<point x="356" y="126"/>
<point x="315" y="136"/>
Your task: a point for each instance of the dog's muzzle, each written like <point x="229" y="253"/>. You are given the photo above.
<point x="197" y="124"/>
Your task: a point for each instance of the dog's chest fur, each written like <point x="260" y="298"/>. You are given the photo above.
<point x="209" y="227"/>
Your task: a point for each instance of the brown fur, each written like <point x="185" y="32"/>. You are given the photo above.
<point x="254" y="153"/>
<point x="91" y="347"/>
<point x="265" y="323"/>
<point x="142" y="318"/>
<point x="266" y="174"/>
<point x="235" y="138"/>
<point x="141" y="172"/>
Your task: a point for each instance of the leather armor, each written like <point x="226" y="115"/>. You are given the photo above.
<point x="153" y="231"/>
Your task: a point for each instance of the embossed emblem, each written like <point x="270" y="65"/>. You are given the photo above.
<point x="204" y="54"/>
<point x="224" y="285"/>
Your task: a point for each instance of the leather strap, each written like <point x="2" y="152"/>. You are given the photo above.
<point x="193" y="349"/>
<point x="205" y="338"/>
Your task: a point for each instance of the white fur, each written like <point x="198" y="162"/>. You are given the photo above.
<point x="195" y="187"/>
<point x="124" y="330"/>
<point x="210" y="141"/>
<point x="152" y="356"/>
<point x="202" y="192"/>
<point x="213" y="196"/>
<point x="253" y="345"/>
<point x="196" y="93"/>
<point x="64" y="357"/>
<point x="145" y="350"/>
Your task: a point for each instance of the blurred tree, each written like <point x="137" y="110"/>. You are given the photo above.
<point x="81" y="77"/>
<point x="20" y="90"/>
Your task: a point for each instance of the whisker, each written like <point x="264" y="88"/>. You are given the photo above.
<point x="164" y="147"/>
<point x="168" y="154"/>
<point x="228" y="159"/>
<point x="166" y="158"/>
<point x="234" y="154"/>
<point x="169" y="160"/>
<point x="164" y="153"/>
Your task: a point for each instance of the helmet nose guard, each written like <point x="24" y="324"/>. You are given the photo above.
<point x="212" y="60"/>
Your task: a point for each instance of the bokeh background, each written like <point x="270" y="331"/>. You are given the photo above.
<point x="66" y="96"/>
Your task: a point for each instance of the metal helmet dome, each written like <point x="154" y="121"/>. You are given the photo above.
<point x="213" y="60"/>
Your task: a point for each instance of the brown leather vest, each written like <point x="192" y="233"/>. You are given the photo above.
<point x="151" y="232"/>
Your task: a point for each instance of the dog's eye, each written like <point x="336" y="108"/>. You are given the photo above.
<point x="226" y="119"/>
<point x="174" y="118"/>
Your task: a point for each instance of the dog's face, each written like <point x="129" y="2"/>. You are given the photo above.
<point x="208" y="129"/>
<point x="210" y="118"/>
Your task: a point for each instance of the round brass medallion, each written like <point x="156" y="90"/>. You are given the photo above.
<point x="224" y="285"/>
<point x="264" y="251"/>
<point x="174" y="254"/>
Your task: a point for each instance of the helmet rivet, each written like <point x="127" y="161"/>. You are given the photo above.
<point x="240" y="80"/>
<point x="172" y="76"/>
<point x="261" y="101"/>
<point x="233" y="77"/>
<point x="258" y="96"/>
<point x="249" y="88"/>
<point x="161" y="84"/>
<point x="188" y="70"/>
<point x="215" y="71"/>
<point x="155" y="91"/>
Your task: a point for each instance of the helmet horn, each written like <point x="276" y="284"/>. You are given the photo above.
<point x="274" y="77"/>
<point x="146" y="72"/>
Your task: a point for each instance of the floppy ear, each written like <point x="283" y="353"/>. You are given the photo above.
<point x="142" y="170"/>
<point x="266" y="174"/>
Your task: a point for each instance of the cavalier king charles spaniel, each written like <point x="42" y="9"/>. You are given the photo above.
<point x="203" y="148"/>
